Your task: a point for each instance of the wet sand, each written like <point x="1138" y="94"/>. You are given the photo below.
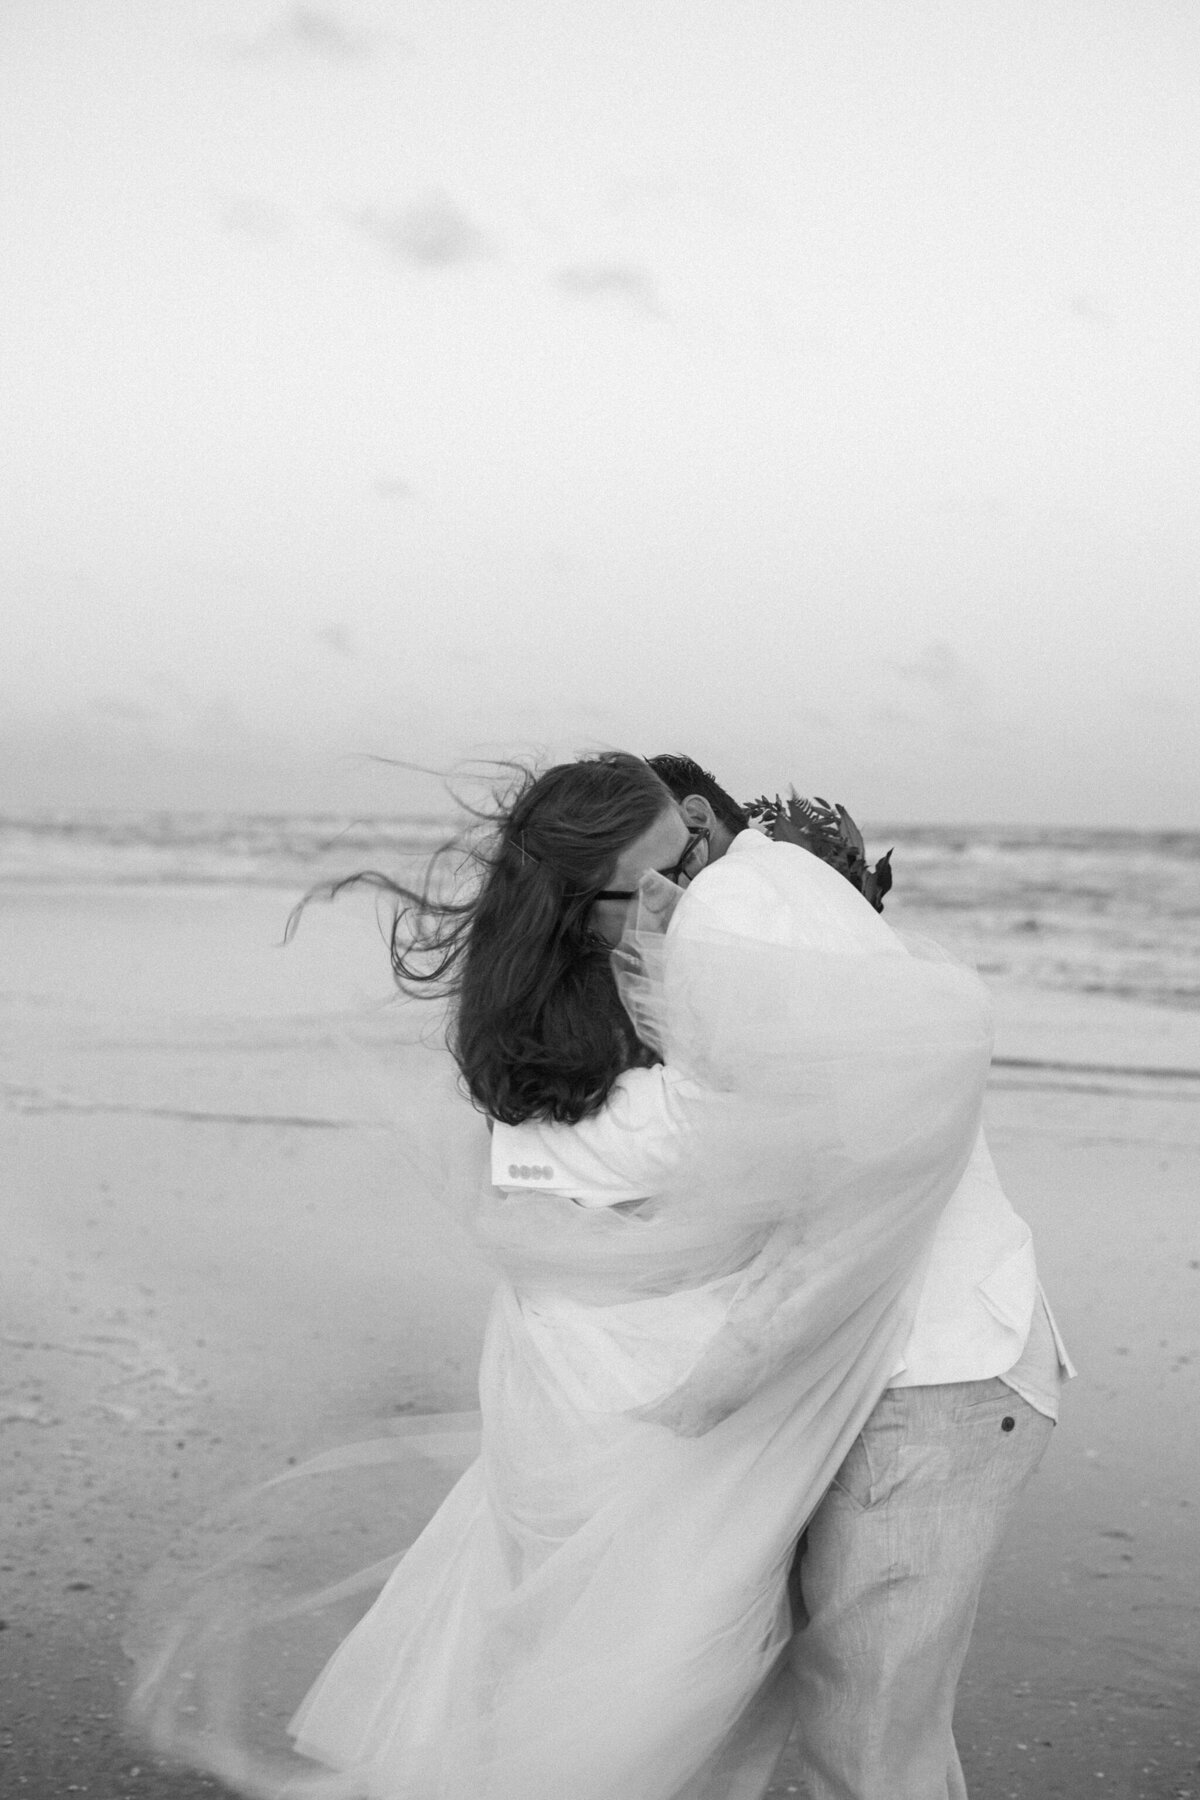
<point x="213" y="1264"/>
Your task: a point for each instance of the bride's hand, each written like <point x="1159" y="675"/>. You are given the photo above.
<point x="684" y="1416"/>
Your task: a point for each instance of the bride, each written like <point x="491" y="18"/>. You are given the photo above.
<point x="685" y="1338"/>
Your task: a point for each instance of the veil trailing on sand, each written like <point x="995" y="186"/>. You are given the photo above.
<point x="593" y="1599"/>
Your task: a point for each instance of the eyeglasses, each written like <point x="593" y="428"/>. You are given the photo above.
<point x="674" y="873"/>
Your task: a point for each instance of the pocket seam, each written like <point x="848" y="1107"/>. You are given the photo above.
<point x="860" y="1443"/>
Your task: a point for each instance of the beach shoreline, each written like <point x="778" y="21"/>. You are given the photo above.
<point x="217" y="1261"/>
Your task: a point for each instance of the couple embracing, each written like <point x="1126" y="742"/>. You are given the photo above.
<point x="767" y="1364"/>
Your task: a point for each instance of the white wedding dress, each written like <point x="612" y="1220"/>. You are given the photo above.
<point x="597" y="1610"/>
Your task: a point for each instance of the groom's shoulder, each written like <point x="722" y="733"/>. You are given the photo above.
<point x="737" y="894"/>
<point x="781" y="894"/>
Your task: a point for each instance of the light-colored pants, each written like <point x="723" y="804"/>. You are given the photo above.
<point x="887" y="1581"/>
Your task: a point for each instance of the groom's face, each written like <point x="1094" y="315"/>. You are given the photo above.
<point x="671" y="847"/>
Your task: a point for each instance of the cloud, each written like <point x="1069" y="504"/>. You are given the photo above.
<point x="962" y="504"/>
<point x="893" y="718"/>
<point x="938" y="666"/>
<point x="597" y="281"/>
<point x="390" y="487"/>
<point x="311" y="31"/>
<point x="248" y="216"/>
<point x="337" y="638"/>
<point x="1154" y="702"/>
<point x="125" y="712"/>
<point x="430" y="234"/>
<point x="1084" y="307"/>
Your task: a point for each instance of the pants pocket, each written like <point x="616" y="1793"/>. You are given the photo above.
<point x="863" y="1477"/>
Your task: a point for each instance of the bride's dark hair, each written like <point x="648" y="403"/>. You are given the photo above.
<point x="535" y="1022"/>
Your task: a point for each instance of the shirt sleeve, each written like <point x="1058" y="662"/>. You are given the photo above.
<point x="782" y="894"/>
<point x="619" y="1154"/>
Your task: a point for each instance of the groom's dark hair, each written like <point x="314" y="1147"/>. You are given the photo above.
<point x="684" y="777"/>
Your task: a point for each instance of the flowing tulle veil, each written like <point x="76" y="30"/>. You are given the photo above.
<point x="593" y="1605"/>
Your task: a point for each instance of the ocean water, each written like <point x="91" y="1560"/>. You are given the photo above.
<point x="1113" y="913"/>
<point x="1094" y="912"/>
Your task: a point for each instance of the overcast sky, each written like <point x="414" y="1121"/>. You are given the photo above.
<point x="814" y="387"/>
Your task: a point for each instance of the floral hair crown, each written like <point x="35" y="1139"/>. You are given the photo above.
<point x="830" y="833"/>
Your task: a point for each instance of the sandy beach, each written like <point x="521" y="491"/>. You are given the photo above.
<point x="213" y="1264"/>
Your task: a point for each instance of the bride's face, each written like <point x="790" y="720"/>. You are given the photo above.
<point x="671" y="847"/>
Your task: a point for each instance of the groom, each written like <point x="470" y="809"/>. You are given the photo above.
<point x="887" y="1576"/>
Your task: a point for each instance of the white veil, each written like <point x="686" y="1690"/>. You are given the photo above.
<point x="598" y="1608"/>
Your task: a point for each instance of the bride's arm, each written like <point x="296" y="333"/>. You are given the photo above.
<point x="631" y="1146"/>
<point x="623" y="1152"/>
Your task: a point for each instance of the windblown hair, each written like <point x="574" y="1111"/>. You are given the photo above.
<point x="535" y="1021"/>
<point x="684" y="777"/>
